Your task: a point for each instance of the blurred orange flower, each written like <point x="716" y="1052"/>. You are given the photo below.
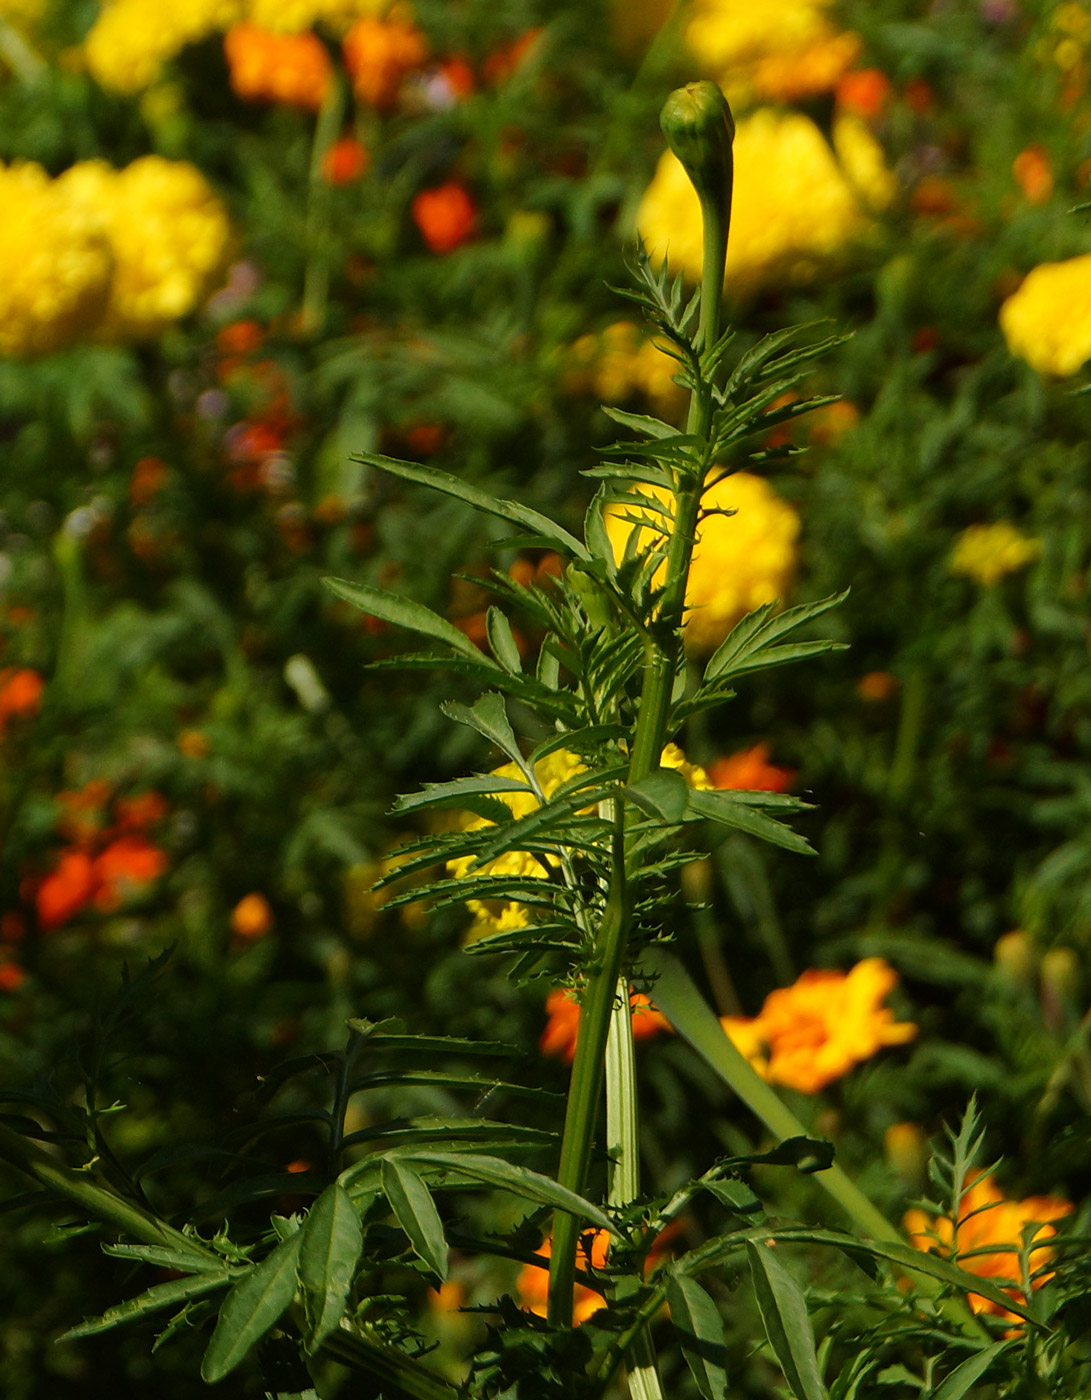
<point x="346" y="160"/>
<point x="379" y="56"/>
<point x="125" y="864"/>
<point x="20" y="695"/>
<point x="1034" y="174"/>
<point x="70" y="888"/>
<point x="864" y="91"/>
<point x="816" y="1030"/>
<point x="562" y="1029"/>
<point x="252" y="917"/>
<point x="445" y="216"/>
<point x="749" y="770"/>
<point x="148" y="479"/>
<point x="993" y="1225"/>
<point x="290" y="68"/>
<point x="532" y="1285"/>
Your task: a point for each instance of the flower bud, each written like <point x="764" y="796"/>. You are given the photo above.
<point x="699" y="129"/>
<point x="906" y="1150"/>
<point x="1016" y="957"/>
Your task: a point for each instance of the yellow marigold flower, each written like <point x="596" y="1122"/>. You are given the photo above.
<point x="816" y="1030"/>
<point x="295" y="16"/>
<point x="797" y="205"/>
<point x="170" y="236"/>
<point x="131" y="40"/>
<point x="620" y="362"/>
<point x="55" y="264"/>
<point x="990" y="1222"/>
<point x="779" y="50"/>
<point x="552" y="772"/>
<point x="740" y="561"/>
<point x="988" y="552"/>
<point x="1047" y="321"/>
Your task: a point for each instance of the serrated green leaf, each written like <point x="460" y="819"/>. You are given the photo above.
<point x="163" y="1257"/>
<point x="663" y="793"/>
<point x="412" y="1204"/>
<point x="449" y="485"/>
<point x="736" y="1195"/>
<point x="742" y="649"/>
<point x="502" y="642"/>
<point x="404" y="612"/>
<point x="730" y="808"/>
<point x="478" y="1134"/>
<point x="962" y="1379"/>
<point x="452" y="794"/>
<point x="332" y="1239"/>
<point x="160" y="1295"/>
<point x="700" y="1330"/>
<point x="489" y="716"/>
<point x="521" y="1181"/>
<point x="783" y="1311"/>
<point x="255" y="1304"/>
<point x="642" y="424"/>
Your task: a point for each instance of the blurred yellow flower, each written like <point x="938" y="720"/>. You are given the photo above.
<point x="619" y="362"/>
<point x="780" y="50"/>
<point x="739" y="562"/>
<point x="24" y="14"/>
<point x="816" y="1030"/>
<point x="552" y="772"/>
<point x="1047" y="321"/>
<point x="988" y="552"/>
<point x="796" y="204"/>
<point x="131" y="40"/>
<point x="170" y="236"/>
<point x="294" y="16"/>
<point x="55" y="264"/>
<point x="994" y="1225"/>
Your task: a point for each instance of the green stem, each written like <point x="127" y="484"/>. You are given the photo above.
<point x="23" y="60"/>
<point x="316" y="276"/>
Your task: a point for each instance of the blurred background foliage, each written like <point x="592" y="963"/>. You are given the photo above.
<point x="328" y="228"/>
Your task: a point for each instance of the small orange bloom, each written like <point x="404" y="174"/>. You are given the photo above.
<point x="70" y="888"/>
<point x="816" y="1030"/>
<point x="194" y="744"/>
<point x="749" y="770"/>
<point x="139" y="812"/>
<point x="562" y="1029"/>
<point x="503" y="63"/>
<point x="12" y="977"/>
<point x="877" y="685"/>
<point x="379" y="56"/>
<point x="1034" y="174"/>
<point x="532" y="1285"/>
<point x="865" y="92"/>
<point x="990" y="1223"/>
<point x="125" y="864"/>
<point x="426" y="438"/>
<point x="251" y="917"/>
<point x="445" y="216"/>
<point x="148" y="479"/>
<point x="290" y="68"/>
<point x="239" y="338"/>
<point x="20" y="695"/>
<point x="345" y="160"/>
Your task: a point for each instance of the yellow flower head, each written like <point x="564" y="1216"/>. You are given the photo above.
<point x="1047" y="321"/>
<point x="620" y="362"/>
<point x="56" y="264"/>
<point x="991" y="1223"/>
<point x="552" y="772"/>
<point x="779" y="50"/>
<point x="739" y="562"/>
<point x="816" y="1030"/>
<point x="170" y="236"/>
<point x="988" y="552"/>
<point x="131" y="40"/>
<point x="796" y="203"/>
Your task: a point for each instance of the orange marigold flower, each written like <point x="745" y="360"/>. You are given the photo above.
<point x="445" y="216"/>
<point x="12" y="976"/>
<point x="20" y="695"/>
<point x="749" y="770"/>
<point x="816" y="1030"/>
<point x="66" y="891"/>
<point x="532" y="1286"/>
<point x="562" y="1029"/>
<point x="139" y="812"/>
<point x="379" y="56"/>
<point x="239" y="338"/>
<point x="345" y="160"/>
<point x="864" y="91"/>
<point x="290" y="68"/>
<point x="125" y="864"/>
<point x="1034" y="174"/>
<point x="877" y="685"/>
<point x="252" y="917"/>
<point x="993" y="1225"/>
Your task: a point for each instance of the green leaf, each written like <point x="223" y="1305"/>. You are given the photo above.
<point x="412" y="1203"/>
<point x="478" y="1135"/>
<point x="494" y="1171"/>
<point x="784" y="1312"/>
<point x="502" y="641"/>
<point x="732" y="809"/>
<point x="749" y="643"/>
<point x="964" y="1377"/>
<point x="332" y="1239"/>
<point x="663" y="793"/>
<point x="489" y="716"/>
<point x="160" y="1295"/>
<point x="254" y="1305"/>
<point x="645" y="426"/>
<point x="452" y="794"/>
<point x="510" y="511"/>
<point x="163" y="1257"/>
<point x="404" y="612"/>
<point x="701" y="1332"/>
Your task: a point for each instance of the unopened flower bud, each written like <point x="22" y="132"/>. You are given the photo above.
<point x="1016" y="957"/>
<point x="699" y="128"/>
<point x="1060" y="985"/>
